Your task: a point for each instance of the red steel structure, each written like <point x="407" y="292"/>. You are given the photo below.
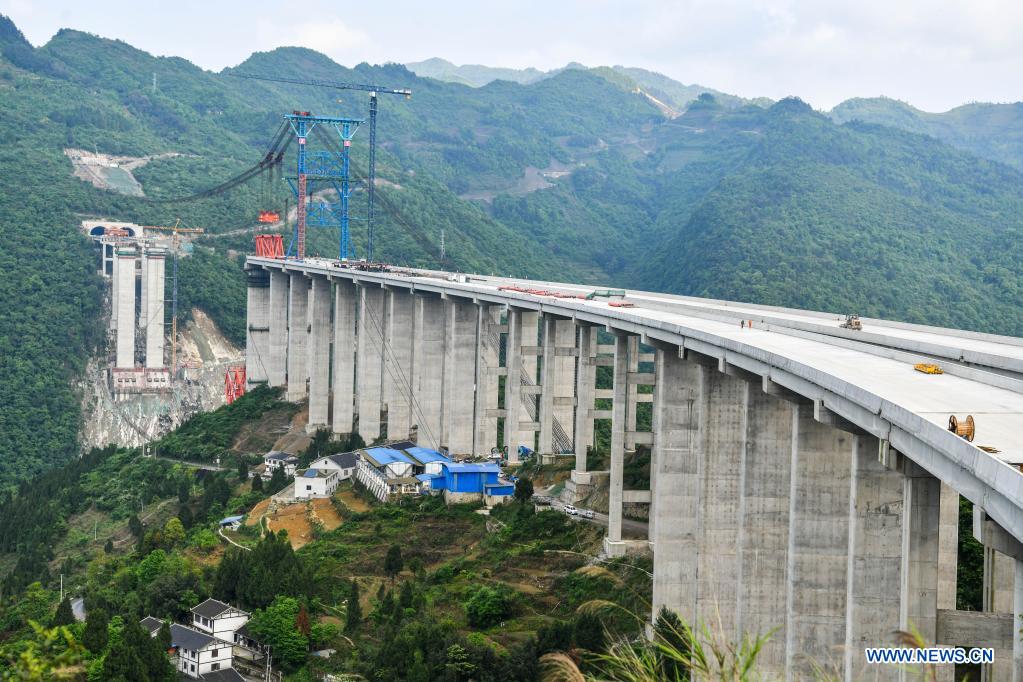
<point x="234" y="383"/>
<point x="270" y="246"/>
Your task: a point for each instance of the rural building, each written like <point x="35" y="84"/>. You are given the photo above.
<point x="218" y="619"/>
<point x="311" y="483"/>
<point x="275" y="459"/>
<point x="393" y="469"/>
<point x="469" y="482"/>
<point x="231" y="522"/>
<point x="199" y="652"/>
<point x="344" y="463"/>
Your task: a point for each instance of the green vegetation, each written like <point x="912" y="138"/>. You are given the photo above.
<point x="573" y="176"/>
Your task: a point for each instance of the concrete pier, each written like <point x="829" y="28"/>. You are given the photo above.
<point x="343" y="402"/>
<point x="298" y="337"/>
<point x="154" y="311"/>
<point x="257" y="347"/>
<point x="677" y="489"/>
<point x="613" y="544"/>
<point x="369" y="361"/>
<point x="428" y="368"/>
<point x="459" y="377"/>
<point x="319" y="354"/>
<point x="488" y="373"/>
<point x="125" y="302"/>
<point x="397" y="372"/>
<point x="276" y="361"/>
<point x="763" y="508"/>
<point x="516" y="364"/>
<point x="818" y="545"/>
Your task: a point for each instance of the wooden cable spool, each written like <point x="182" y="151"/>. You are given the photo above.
<point x="964" y="429"/>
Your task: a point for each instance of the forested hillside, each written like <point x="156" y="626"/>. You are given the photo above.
<point x="992" y="131"/>
<point x="576" y="176"/>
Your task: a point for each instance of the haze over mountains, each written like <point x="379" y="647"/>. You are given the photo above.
<point x="611" y="175"/>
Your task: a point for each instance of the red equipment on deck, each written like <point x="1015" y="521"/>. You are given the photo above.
<point x="540" y="292"/>
<point x="234" y="383"/>
<point x="269" y="246"/>
<point x="269" y="217"/>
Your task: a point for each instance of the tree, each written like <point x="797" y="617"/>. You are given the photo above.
<point x="185" y="514"/>
<point x="393" y="563"/>
<point x="163" y="636"/>
<point x="302" y="621"/>
<point x="523" y="490"/>
<point x="486" y="607"/>
<point x="184" y="490"/>
<point x="48" y="655"/>
<point x="278" y="481"/>
<point x="276" y="625"/>
<point x="173" y="532"/>
<point x="135" y="526"/>
<point x="257" y="484"/>
<point x="354" y="615"/>
<point x="95" y="635"/>
<point x="65" y="614"/>
<point x="243" y="469"/>
<point x="670" y="632"/>
<point x="588" y="632"/>
<point x="108" y="548"/>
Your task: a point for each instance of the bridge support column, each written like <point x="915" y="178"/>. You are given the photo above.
<point x="613" y="544"/>
<point x="428" y="368"/>
<point x="818" y="543"/>
<point x="397" y="372"/>
<point x="920" y="524"/>
<point x="298" y="337"/>
<point x="520" y="360"/>
<point x="763" y="523"/>
<point x="723" y="430"/>
<point x="557" y="397"/>
<point x="369" y="361"/>
<point x="488" y="358"/>
<point x="256" y="346"/>
<point x="579" y="485"/>
<point x="153" y="297"/>
<point x="875" y="556"/>
<point x="319" y="354"/>
<point x="277" y="358"/>
<point x="124" y="272"/>
<point x="344" y="357"/>
<point x="459" y="376"/>
<point x="676" y="487"/>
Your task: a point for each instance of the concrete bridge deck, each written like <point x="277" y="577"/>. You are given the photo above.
<point x="790" y="440"/>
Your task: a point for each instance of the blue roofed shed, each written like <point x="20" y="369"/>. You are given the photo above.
<point x="427" y="460"/>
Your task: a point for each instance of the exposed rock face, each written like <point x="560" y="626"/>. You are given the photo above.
<point x="203" y="352"/>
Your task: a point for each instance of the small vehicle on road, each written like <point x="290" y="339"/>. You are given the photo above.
<point x="571" y="510"/>
<point x="586" y="513"/>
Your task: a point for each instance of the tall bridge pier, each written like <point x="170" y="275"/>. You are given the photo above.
<point x="803" y="482"/>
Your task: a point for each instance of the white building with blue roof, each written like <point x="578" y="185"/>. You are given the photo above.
<point x="397" y="468"/>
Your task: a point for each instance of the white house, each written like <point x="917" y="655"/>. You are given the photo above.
<point x="343" y="463"/>
<point x="275" y="459"/>
<point x="315" y="483"/>
<point x="200" y="653"/>
<point x="218" y="619"/>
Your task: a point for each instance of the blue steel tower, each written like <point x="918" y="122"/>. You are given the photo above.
<point x="323" y="167"/>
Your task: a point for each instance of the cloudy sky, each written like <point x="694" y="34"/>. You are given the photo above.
<point x="935" y="54"/>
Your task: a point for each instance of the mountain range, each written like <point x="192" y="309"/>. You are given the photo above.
<point x="609" y="175"/>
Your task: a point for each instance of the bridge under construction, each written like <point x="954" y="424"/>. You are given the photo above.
<point x="804" y="475"/>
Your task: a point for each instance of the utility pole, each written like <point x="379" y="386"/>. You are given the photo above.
<point x="154" y="82"/>
<point x="442" y="254"/>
